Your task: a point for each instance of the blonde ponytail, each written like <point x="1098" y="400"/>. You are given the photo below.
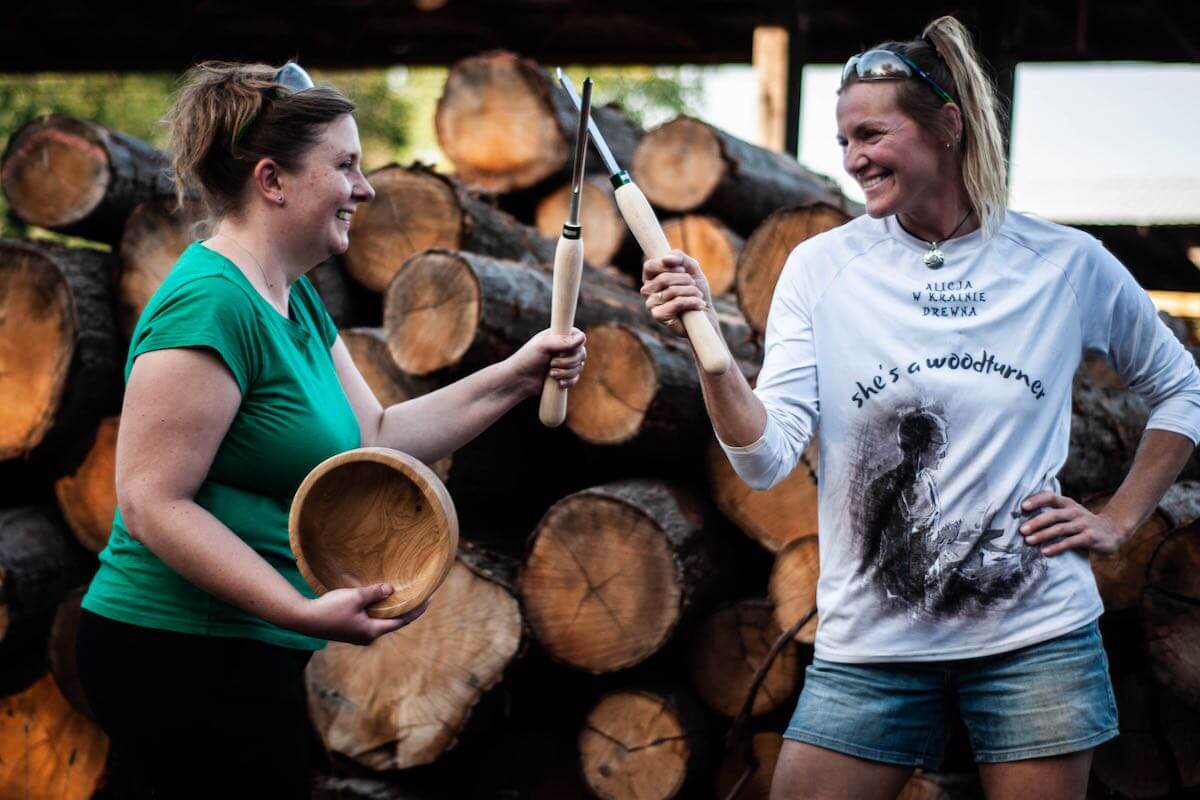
<point x="984" y="170"/>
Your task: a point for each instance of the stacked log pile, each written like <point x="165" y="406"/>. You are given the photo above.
<point x="619" y="588"/>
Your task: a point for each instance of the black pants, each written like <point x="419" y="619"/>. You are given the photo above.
<point x="196" y="716"/>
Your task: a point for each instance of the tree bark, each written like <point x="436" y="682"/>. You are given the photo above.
<point x="506" y="124"/>
<point x="404" y="700"/>
<point x="762" y="258"/>
<point x="79" y="178"/>
<point x="728" y="648"/>
<point x="59" y="358"/>
<point x="793" y="586"/>
<point x="416" y="209"/>
<point x="688" y="166"/>
<point x="40" y="563"/>
<point x="650" y="745"/>
<point x="612" y="572"/>
<point x="88" y="496"/>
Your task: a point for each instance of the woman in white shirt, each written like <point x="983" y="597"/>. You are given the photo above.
<point x="935" y="338"/>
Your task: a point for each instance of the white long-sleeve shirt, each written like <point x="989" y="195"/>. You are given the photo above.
<point x="944" y="400"/>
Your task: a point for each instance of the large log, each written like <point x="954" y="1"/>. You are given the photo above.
<point x="641" y="388"/>
<point x="404" y="700"/>
<point x="40" y="562"/>
<point x="1171" y="614"/>
<point x="506" y="124"/>
<point x="157" y="232"/>
<point x="773" y="517"/>
<point x="460" y="311"/>
<point x="59" y="359"/>
<point x="762" y="259"/>
<point x="710" y="242"/>
<point x="726" y="651"/>
<point x="606" y="237"/>
<point x="88" y="496"/>
<point x="1106" y="426"/>
<point x="78" y="177"/>
<point x="650" y="745"/>
<point x="1157" y="754"/>
<point x="1121" y="577"/>
<point x="793" y="586"/>
<point x="417" y="209"/>
<point x="613" y="570"/>
<point x="689" y="166"/>
<point x="48" y="750"/>
<point x="349" y="303"/>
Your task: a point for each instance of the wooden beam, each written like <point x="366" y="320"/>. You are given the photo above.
<point x="798" y="56"/>
<point x="771" y="67"/>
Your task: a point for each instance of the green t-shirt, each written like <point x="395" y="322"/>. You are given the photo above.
<point x="293" y="415"/>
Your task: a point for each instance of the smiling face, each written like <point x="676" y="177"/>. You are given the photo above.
<point x="902" y="167"/>
<point x="327" y="189"/>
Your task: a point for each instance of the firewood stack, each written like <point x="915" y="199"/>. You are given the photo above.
<point x="619" y="586"/>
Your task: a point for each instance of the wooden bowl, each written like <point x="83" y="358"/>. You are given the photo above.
<point x="374" y="515"/>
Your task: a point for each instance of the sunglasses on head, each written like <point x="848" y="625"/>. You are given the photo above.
<point x="884" y="65"/>
<point x="292" y="76"/>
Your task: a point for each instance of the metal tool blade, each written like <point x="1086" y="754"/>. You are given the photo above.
<point x="581" y="142"/>
<point x="606" y="155"/>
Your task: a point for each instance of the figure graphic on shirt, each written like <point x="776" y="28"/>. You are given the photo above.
<point x="903" y="512"/>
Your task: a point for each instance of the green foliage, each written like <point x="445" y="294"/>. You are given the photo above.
<point x="649" y="95"/>
<point x="384" y="114"/>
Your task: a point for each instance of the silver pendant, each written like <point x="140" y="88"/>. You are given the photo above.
<point x="934" y="259"/>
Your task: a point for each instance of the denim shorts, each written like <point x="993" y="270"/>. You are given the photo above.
<point x="1046" y="699"/>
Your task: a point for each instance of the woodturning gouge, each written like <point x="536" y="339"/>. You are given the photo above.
<point x="635" y="208"/>
<point x="568" y="267"/>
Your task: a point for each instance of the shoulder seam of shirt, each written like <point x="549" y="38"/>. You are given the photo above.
<point x="1063" y="270"/>
<point x="843" y="267"/>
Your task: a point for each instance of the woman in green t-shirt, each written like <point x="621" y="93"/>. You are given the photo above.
<point x="197" y="626"/>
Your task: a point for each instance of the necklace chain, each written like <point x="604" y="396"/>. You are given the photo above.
<point x="950" y="235"/>
<point x="253" y="258"/>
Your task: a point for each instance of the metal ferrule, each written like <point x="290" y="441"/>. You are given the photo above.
<point x="621" y="178"/>
<point x="571" y="231"/>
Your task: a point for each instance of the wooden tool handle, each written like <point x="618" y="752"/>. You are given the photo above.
<point x="706" y="341"/>
<point x="568" y="268"/>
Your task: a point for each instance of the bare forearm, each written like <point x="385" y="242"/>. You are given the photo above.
<point x="198" y="546"/>
<point x="738" y="416"/>
<point x="1161" y="456"/>
<point x="434" y="425"/>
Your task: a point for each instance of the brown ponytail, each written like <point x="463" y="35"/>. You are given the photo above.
<point x="227" y="117"/>
<point x="945" y="51"/>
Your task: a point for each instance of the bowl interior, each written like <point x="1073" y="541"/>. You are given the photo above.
<point x="367" y="522"/>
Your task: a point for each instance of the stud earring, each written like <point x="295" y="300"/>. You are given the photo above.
<point x="279" y="197"/>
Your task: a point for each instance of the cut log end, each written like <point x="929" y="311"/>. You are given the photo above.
<point x="679" y="164"/>
<point x="431" y="312"/>
<point x="633" y="744"/>
<point x="155" y="235"/>
<point x="793" y="585"/>
<point x="599" y="586"/>
<point x="726" y="652"/>
<point x="403" y="700"/>
<point x="609" y="403"/>
<point x="47" y="748"/>
<point x="414" y="209"/>
<point x="767" y="249"/>
<point x="88" y="497"/>
<point x="604" y="230"/>
<point x="496" y="123"/>
<point x="37" y="342"/>
<point x="711" y="243"/>
<point x="55" y="173"/>
<point x="1171" y="614"/>
<point x="735" y="766"/>
<point x="776" y="516"/>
